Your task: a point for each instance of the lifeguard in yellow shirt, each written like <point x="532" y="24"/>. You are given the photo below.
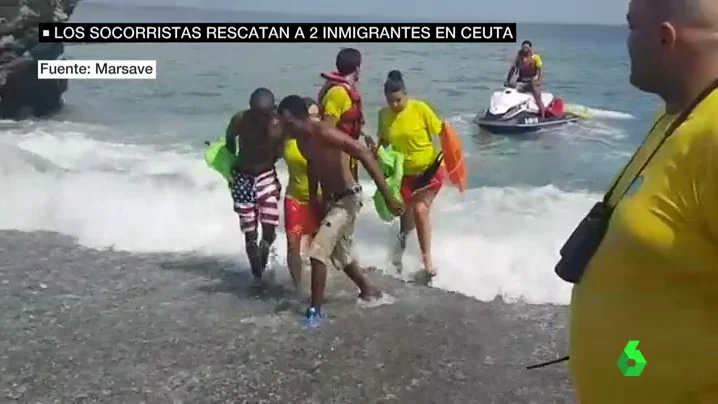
<point x="340" y="98"/>
<point x="654" y="276"/>
<point x="408" y="125"/>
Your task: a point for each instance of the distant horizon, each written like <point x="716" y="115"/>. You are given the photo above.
<point x="339" y="17"/>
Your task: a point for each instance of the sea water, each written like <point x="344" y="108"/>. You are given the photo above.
<point x="122" y="166"/>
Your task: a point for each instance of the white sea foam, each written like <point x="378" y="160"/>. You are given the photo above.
<point x="488" y="241"/>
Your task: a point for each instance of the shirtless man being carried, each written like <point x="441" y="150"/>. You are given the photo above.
<point x="255" y="137"/>
<point x="327" y="151"/>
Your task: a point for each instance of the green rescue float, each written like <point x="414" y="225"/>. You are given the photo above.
<point x="219" y="158"/>
<point x="392" y="163"/>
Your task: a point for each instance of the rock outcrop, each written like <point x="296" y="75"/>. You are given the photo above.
<point x="21" y="93"/>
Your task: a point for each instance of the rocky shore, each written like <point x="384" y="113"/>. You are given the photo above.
<point x="21" y="93"/>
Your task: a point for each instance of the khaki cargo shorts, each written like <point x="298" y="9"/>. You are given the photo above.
<point x="332" y="244"/>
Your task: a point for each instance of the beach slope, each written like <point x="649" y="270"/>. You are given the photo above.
<point x="80" y="325"/>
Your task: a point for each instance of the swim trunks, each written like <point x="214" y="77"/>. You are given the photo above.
<point x="256" y="199"/>
<point x="525" y="86"/>
<point x="414" y="183"/>
<point x="299" y="218"/>
<point x="333" y="242"/>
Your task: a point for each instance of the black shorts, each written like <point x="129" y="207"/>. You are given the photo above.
<point x="525" y="86"/>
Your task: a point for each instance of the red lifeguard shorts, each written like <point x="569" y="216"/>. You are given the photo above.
<point x="299" y="218"/>
<point x="410" y="184"/>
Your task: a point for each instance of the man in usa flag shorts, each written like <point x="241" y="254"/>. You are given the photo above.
<point x="256" y="139"/>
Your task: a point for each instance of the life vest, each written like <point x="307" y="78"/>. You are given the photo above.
<point x="352" y="121"/>
<point x="527" y="66"/>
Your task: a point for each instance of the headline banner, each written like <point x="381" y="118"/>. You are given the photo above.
<point x="277" y="32"/>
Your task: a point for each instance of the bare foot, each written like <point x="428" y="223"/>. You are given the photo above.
<point x="424" y="277"/>
<point x="371" y="294"/>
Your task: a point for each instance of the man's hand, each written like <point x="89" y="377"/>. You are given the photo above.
<point x="395" y="206"/>
<point x="370" y="143"/>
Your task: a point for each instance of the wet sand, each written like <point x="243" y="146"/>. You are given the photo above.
<point x="86" y="326"/>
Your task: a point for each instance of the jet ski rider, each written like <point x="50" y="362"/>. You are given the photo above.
<point x="528" y="65"/>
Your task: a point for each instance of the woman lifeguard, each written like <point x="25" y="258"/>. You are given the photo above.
<point x="300" y="218"/>
<point x="408" y="126"/>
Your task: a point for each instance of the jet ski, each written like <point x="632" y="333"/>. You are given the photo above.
<point x="514" y="112"/>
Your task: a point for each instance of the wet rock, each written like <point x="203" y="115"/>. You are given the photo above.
<point x="21" y="93"/>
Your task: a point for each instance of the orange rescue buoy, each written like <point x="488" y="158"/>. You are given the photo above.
<point x="454" y="157"/>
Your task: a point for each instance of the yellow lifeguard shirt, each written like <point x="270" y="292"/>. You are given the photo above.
<point x="298" y="184"/>
<point x="410" y="133"/>
<point x="654" y="277"/>
<point x="336" y="102"/>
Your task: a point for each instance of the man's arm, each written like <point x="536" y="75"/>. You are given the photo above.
<point x="380" y="140"/>
<point x="381" y="131"/>
<point x="313" y="184"/>
<point x="356" y="149"/>
<point x="231" y="133"/>
<point x="369" y="141"/>
<point x="279" y="141"/>
<point x="512" y="70"/>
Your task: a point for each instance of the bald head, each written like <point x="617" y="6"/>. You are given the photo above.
<point x="261" y="99"/>
<point x="673" y="45"/>
<point x="686" y="13"/>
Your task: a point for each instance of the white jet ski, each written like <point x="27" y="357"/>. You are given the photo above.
<point x="514" y="112"/>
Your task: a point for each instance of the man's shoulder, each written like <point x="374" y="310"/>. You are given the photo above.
<point x="335" y="93"/>
<point x="707" y="128"/>
<point x="709" y="135"/>
<point x="239" y="115"/>
<point x="698" y="136"/>
<point x="238" y="118"/>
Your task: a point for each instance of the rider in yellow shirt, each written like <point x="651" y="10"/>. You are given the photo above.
<point x="528" y="66"/>
<point x="300" y="218"/>
<point x="408" y="126"/>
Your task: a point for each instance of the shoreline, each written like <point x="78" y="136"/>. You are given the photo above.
<point x="81" y="325"/>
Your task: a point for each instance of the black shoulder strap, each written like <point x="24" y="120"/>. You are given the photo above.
<point x="671" y="129"/>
